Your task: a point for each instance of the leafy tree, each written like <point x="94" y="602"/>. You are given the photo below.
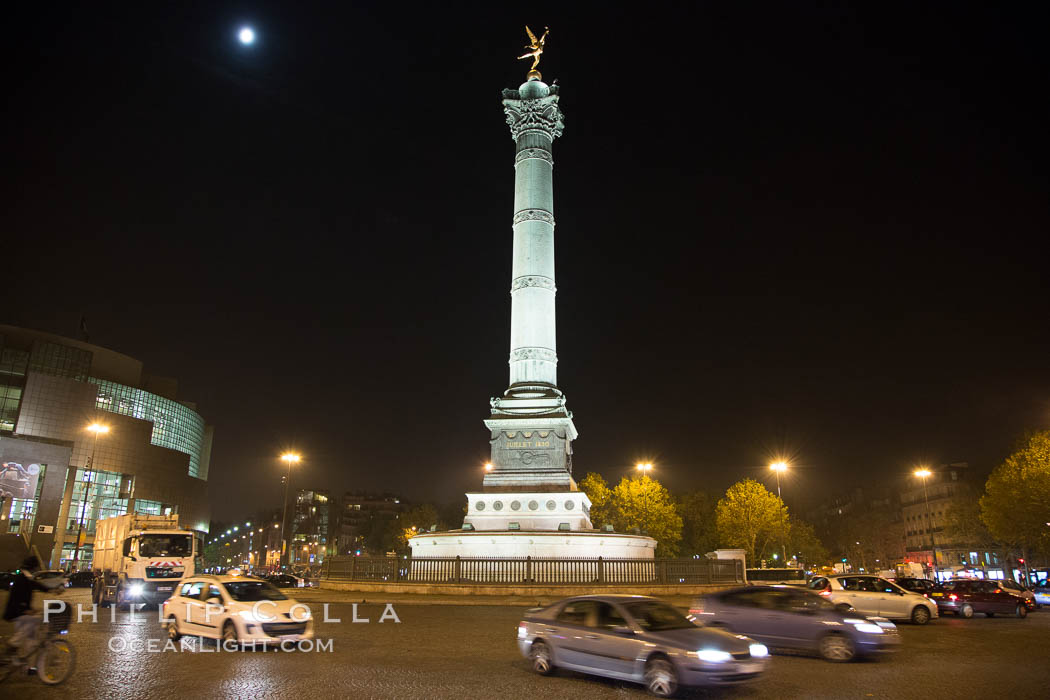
<point x="416" y="520"/>
<point x="750" y="517"/>
<point x="451" y="514"/>
<point x="963" y="524"/>
<point x="381" y="535"/>
<point x="601" y="498"/>
<point x="804" y="543"/>
<point x="645" y="503"/>
<point x="1016" y="503"/>
<point x="642" y="503"/>
<point x="700" y="528"/>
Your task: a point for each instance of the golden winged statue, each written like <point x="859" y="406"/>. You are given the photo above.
<point x="535" y="46"/>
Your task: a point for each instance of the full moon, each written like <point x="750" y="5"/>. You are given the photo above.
<point x="246" y="35"/>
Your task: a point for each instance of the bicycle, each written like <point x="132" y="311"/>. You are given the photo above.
<point x="52" y="655"/>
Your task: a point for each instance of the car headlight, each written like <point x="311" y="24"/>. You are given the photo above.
<point x="713" y="656"/>
<point x="759" y="650"/>
<point x="869" y="628"/>
<point x="136" y="589"/>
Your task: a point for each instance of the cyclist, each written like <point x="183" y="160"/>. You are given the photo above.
<point x="20" y="608"/>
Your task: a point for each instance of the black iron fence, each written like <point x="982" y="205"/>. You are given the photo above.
<point x="467" y="570"/>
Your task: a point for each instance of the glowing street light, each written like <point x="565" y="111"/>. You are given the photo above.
<point x="778" y="467"/>
<point x="924" y="473"/>
<point x="97" y="429"/>
<point x="645" y="468"/>
<point x="488" y="466"/>
<point x="288" y="458"/>
<point x="246" y="36"/>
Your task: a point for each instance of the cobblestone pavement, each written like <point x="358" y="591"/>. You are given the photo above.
<point x="464" y="652"/>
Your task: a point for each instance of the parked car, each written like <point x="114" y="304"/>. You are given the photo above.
<point x="639" y="639"/>
<point x="786" y="617"/>
<point x="1017" y="589"/>
<point x="964" y="597"/>
<point x="81" y="579"/>
<point x="922" y="586"/>
<point x="874" y="596"/>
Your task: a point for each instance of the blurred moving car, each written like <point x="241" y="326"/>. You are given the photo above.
<point x="52" y="578"/>
<point x="922" y="586"/>
<point x="639" y="639"/>
<point x="81" y="579"/>
<point x="286" y="581"/>
<point x="235" y="609"/>
<point x="1042" y="595"/>
<point x="964" y="597"/>
<point x="1017" y="589"/>
<point x="788" y="618"/>
<point x="874" y="596"/>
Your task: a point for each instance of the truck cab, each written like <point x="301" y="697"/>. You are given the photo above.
<point x="141" y="559"/>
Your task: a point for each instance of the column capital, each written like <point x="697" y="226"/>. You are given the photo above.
<point x="540" y="115"/>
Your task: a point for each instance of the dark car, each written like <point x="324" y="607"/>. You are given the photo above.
<point x="922" y="586"/>
<point x="964" y="597"/>
<point x="7" y="579"/>
<point x="285" y="581"/>
<point x="81" y="579"/>
<point x="786" y="617"/>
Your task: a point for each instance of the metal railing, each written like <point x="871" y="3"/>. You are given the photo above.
<point x="527" y="570"/>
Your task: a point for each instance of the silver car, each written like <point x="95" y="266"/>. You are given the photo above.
<point x="639" y="639"/>
<point x="874" y="596"/>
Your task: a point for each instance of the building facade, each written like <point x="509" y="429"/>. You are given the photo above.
<point x="59" y="478"/>
<point x="362" y="513"/>
<point x="310" y="528"/>
<point x="925" y="508"/>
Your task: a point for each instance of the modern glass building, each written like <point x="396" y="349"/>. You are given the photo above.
<point x="57" y="478"/>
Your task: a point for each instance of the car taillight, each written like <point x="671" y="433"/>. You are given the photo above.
<point x="698" y="607"/>
<point x="998" y="590"/>
<point x="826" y="592"/>
<point x="953" y="597"/>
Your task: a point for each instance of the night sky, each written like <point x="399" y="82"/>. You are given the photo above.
<point x="781" y="227"/>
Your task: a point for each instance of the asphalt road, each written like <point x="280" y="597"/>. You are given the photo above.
<point x="452" y="651"/>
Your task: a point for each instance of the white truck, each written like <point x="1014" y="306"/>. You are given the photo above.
<point x="140" y="558"/>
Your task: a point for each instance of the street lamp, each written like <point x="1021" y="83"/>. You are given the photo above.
<point x="97" y="429"/>
<point x="778" y="467"/>
<point x="488" y="466"/>
<point x="923" y="473"/>
<point x="645" y="468"/>
<point x="288" y="458"/>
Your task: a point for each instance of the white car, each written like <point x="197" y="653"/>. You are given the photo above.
<point x="238" y="609"/>
<point x="874" y="596"/>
